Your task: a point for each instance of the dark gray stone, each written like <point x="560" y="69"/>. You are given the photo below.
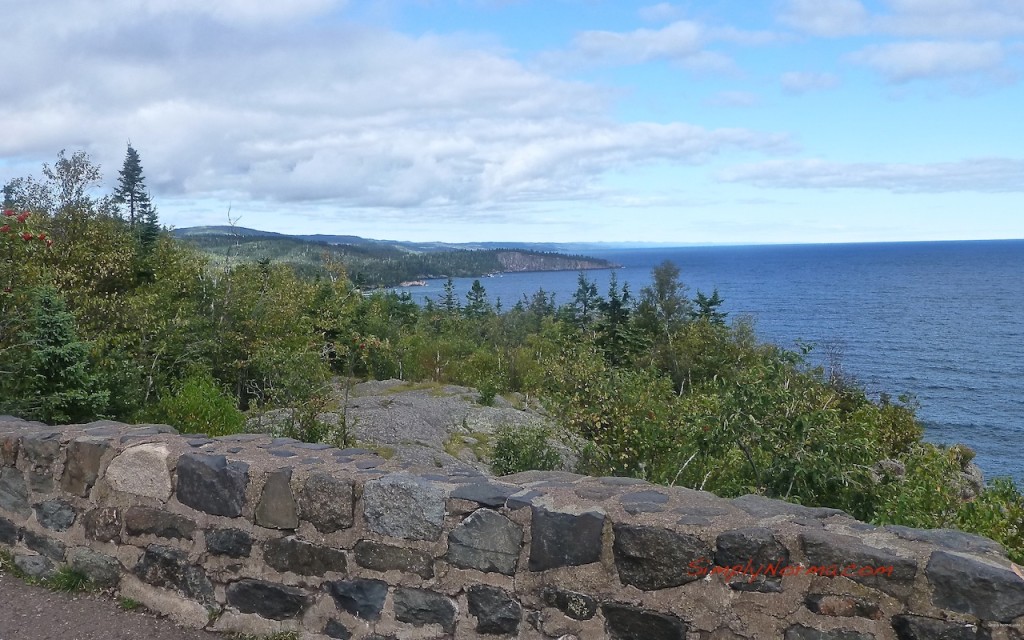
<point x="753" y="550"/>
<point x="755" y="584"/>
<point x="844" y="555"/>
<point x="101" y="569"/>
<point x="169" y="568"/>
<point x="352" y="452"/>
<point x="842" y="606"/>
<point x="35" y="566"/>
<point x="163" y="524"/>
<point x="303" y="558"/>
<point x="486" y="541"/>
<point x="277" y="509"/>
<point x="637" y="508"/>
<point x="83" y="466"/>
<point x="234" y="543"/>
<point x="488" y="494"/>
<point x="199" y="442"/>
<point x="909" y="627"/>
<point x="52" y="549"/>
<point x="624" y="622"/>
<point x="649" y="496"/>
<point x="282" y="453"/>
<point x="950" y="539"/>
<point x="372" y="463"/>
<point x="564" y="539"/>
<point x="334" y="629"/>
<point x="654" y="558"/>
<point x="327" y="502"/>
<point x="267" y="599"/>
<point x="800" y="632"/>
<point x="598" y="492"/>
<point x="762" y="507"/>
<point x="313" y="446"/>
<point x="41" y="450"/>
<point x="496" y="612"/>
<point x="421" y="607"/>
<point x="14" y="492"/>
<point x="969" y="585"/>
<point x="577" y="606"/>
<point x="385" y="557"/>
<point x="522" y="499"/>
<point x="103" y="524"/>
<point x="10" y="533"/>
<point x="212" y="484"/>
<point x="57" y="515"/>
<point x="404" y="506"/>
<point x="362" y="598"/>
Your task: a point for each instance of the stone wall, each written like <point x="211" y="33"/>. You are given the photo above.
<point x="259" y="535"/>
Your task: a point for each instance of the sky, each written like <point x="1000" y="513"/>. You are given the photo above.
<point x="735" y="121"/>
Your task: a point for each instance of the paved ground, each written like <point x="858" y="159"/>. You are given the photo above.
<point x="34" y="613"/>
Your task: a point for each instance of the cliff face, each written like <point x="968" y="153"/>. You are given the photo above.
<point x="513" y="261"/>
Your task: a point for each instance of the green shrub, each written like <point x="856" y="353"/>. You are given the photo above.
<point x="998" y="513"/>
<point x="524" y="449"/>
<point x="198" y="405"/>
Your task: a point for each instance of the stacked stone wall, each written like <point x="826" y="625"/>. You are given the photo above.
<point x="259" y="535"/>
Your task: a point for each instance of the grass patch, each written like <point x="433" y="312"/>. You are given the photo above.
<point x="524" y="449"/>
<point x="128" y="604"/>
<point x="481" y="448"/>
<point x="68" y="580"/>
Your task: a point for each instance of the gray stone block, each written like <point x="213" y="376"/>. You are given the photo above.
<point x="35" y="566"/>
<point x="276" y="508"/>
<point x="421" y="607"/>
<point x="56" y="515"/>
<point x="327" y="502"/>
<point x="909" y="627"/>
<point x="234" y="543"/>
<point x="577" y="606"/>
<point x="969" y="585"/>
<point x="83" y="465"/>
<point x="564" y="539"/>
<point x="212" y="484"/>
<point x="103" y="524"/>
<point x="403" y="506"/>
<point x="267" y="599"/>
<point x="654" y="558"/>
<point x="49" y="547"/>
<point x="303" y="558"/>
<point x="361" y="598"/>
<point x="829" y="550"/>
<point x="101" y="569"/>
<point x="486" y="541"/>
<point x="14" y="492"/>
<point x="170" y="569"/>
<point x="385" y="557"/>
<point x="163" y="524"/>
<point x="625" y="622"/>
<point x="496" y="612"/>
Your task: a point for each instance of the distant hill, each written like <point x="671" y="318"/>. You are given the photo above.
<point x="380" y="263"/>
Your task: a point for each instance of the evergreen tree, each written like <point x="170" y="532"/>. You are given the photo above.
<point x="707" y="308"/>
<point x="450" y="302"/>
<point x="149" y="229"/>
<point x="585" y="302"/>
<point x="477" y="305"/>
<point x="131" y="190"/>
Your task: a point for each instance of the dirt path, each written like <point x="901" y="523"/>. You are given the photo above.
<point x="35" y="613"/>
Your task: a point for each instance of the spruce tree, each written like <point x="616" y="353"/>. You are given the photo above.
<point x="131" y="189"/>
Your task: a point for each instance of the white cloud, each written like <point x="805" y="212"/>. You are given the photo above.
<point x="992" y="175"/>
<point x="905" y="61"/>
<point x="827" y="18"/>
<point x="678" y="41"/>
<point x="661" y="12"/>
<point x="797" y="82"/>
<point x="285" y="110"/>
<point x="906" y="18"/>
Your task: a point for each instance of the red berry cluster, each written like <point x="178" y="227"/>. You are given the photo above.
<point x="26" y="236"/>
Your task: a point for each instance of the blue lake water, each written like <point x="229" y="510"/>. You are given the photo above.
<point x="941" y="320"/>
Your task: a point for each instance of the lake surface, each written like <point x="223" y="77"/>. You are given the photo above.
<point x="943" y="321"/>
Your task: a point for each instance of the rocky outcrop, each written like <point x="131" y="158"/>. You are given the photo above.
<point x="259" y="535"/>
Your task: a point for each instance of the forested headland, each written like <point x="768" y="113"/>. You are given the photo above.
<point x="105" y="315"/>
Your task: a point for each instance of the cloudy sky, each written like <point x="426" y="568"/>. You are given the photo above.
<point x="735" y="121"/>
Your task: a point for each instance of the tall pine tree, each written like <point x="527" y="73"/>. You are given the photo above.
<point x="131" y="190"/>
